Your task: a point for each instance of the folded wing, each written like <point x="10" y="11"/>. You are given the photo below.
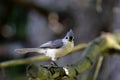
<point x="53" y="44"/>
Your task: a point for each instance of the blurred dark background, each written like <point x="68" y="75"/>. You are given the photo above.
<point x="29" y="23"/>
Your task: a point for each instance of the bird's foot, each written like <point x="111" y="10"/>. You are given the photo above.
<point x="53" y="63"/>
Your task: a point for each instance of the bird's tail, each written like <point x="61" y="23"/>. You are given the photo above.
<point x="26" y="50"/>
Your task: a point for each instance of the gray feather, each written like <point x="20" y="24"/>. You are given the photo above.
<point x="26" y="50"/>
<point x="53" y="44"/>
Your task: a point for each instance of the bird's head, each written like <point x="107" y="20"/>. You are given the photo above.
<point x="69" y="36"/>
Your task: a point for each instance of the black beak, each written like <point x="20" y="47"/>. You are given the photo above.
<point x="71" y="38"/>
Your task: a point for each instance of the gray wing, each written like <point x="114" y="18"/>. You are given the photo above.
<point x="52" y="44"/>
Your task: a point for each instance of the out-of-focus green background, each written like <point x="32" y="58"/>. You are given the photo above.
<point x="29" y="23"/>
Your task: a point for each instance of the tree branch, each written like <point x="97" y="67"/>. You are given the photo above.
<point x="99" y="64"/>
<point x="99" y="45"/>
<point x="38" y="58"/>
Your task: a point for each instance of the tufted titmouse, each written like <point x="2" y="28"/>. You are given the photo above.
<point x="51" y="48"/>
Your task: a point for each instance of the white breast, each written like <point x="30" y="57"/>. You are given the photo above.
<point x="68" y="46"/>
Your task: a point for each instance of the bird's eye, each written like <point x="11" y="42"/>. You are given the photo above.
<point x="66" y="37"/>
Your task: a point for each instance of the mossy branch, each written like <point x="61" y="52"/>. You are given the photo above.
<point x="99" y="45"/>
<point x="40" y="58"/>
<point x="99" y="64"/>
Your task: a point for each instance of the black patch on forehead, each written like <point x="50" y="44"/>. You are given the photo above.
<point x="70" y="38"/>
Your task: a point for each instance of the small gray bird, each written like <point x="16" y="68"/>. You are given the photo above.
<point x="51" y="48"/>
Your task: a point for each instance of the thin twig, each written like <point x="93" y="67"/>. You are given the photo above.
<point x="99" y="64"/>
<point x="38" y="58"/>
